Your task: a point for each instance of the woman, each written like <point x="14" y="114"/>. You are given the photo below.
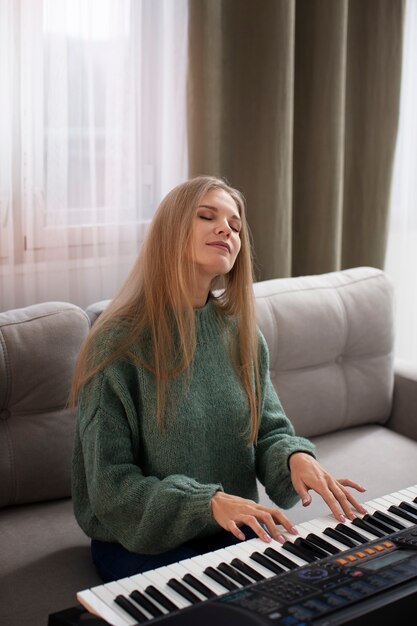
<point x="177" y="416"/>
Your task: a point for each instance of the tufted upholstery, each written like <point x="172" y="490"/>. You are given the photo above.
<point x="331" y="346"/>
<point x="38" y="348"/>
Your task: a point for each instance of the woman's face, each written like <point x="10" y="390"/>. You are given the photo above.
<point x="215" y="241"/>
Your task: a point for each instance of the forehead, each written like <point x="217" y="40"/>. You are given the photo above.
<point x="220" y="199"/>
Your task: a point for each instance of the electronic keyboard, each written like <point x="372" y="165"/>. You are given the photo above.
<point x="330" y="573"/>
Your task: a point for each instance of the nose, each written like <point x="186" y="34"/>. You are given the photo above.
<point x="223" y="228"/>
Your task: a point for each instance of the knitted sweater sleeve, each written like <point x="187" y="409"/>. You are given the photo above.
<point x="276" y="440"/>
<point x="113" y="499"/>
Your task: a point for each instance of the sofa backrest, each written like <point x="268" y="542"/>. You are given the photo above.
<point x="38" y="348"/>
<point x="331" y="343"/>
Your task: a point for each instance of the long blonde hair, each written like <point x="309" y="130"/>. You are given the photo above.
<point x="156" y="298"/>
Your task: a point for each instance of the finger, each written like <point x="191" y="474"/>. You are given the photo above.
<point x="305" y="497"/>
<point x="269" y="522"/>
<point x="235" y="530"/>
<point x="346" y="482"/>
<point x="282" y="519"/>
<point x="253" y="523"/>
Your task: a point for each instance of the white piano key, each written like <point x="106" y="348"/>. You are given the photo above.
<point x="276" y="545"/>
<point x="138" y="583"/>
<point x="108" y="593"/>
<point x="157" y="577"/>
<point x="386" y="504"/>
<point x="310" y="527"/>
<point x="97" y="606"/>
<point x="243" y="553"/>
<point x="196" y="566"/>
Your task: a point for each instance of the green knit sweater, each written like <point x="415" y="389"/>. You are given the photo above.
<point x="150" y="489"/>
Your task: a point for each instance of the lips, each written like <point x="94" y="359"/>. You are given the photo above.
<point x="220" y="244"/>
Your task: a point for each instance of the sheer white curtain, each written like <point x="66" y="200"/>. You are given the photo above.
<point x="92" y="136"/>
<point x="401" y="259"/>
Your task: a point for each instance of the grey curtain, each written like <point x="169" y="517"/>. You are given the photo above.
<point x="296" y="103"/>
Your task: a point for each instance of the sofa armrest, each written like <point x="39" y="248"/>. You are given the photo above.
<point x="403" y="417"/>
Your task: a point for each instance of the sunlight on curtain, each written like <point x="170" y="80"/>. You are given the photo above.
<point x="93" y="134"/>
<point x="401" y="260"/>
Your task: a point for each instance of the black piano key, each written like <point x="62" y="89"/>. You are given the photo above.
<point x="199" y="586"/>
<point x="358" y="521"/>
<point x="263" y="560"/>
<point x="186" y="593"/>
<point x="322" y="543"/>
<point x="220" y="578"/>
<point x="379" y="523"/>
<point x="304" y="543"/>
<point x="302" y="554"/>
<point x="415" y="499"/>
<point x="347" y="530"/>
<point x="402" y="513"/>
<point x="280" y="558"/>
<point x="407" y="506"/>
<point x="234" y="574"/>
<point x="248" y="570"/>
<point x="157" y="595"/>
<point x="145" y="603"/>
<point x="389" y="520"/>
<point x="340" y="537"/>
<point x="131" y="609"/>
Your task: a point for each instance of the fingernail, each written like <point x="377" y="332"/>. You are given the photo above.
<point x="352" y="516"/>
<point x="241" y="536"/>
<point x="294" y="530"/>
<point x="305" y="501"/>
<point x="281" y="539"/>
<point x="342" y="518"/>
<point x="267" y="538"/>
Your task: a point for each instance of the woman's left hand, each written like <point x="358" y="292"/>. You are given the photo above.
<point x="307" y="473"/>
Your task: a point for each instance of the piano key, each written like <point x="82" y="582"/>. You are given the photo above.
<point x="361" y="523"/>
<point x="280" y="558"/>
<point x="161" y="598"/>
<point x="241" y="549"/>
<point x="260" y="558"/>
<point x="184" y="591"/>
<point x="131" y="609"/>
<point x="234" y="574"/>
<point x="385" y="517"/>
<point x="336" y="534"/>
<point x="108" y="593"/>
<point x="384" y="505"/>
<point x="407" y="506"/>
<point x="220" y="578"/>
<point x="313" y="547"/>
<point x="159" y="579"/>
<point x="108" y="610"/>
<point x="318" y="529"/>
<point x="196" y="566"/>
<point x="404" y="514"/>
<point x="135" y="589"/>
<point x="244" y="553"/>
<point x="297" y="551"/>
<point x="199" y="586"/>
<point x="145" y="603"/>
<point x="247" y="570"/>
<point x="330" y="548"/>
<point x="383" y="525"/>
<point x="347" y="530"/>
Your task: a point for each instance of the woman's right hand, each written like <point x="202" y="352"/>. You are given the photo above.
<point x="233" y="512"/>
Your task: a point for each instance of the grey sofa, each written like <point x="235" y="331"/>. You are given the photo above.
<point x="332" y="360"/>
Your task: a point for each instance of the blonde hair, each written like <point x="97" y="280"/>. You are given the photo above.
<point x="156" y="299"/>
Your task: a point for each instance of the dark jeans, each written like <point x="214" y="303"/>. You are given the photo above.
<point x="113" y="561"/>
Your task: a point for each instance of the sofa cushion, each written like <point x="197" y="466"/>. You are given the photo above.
<point x="330" y="338"/>
<point x="38" y="348"/>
